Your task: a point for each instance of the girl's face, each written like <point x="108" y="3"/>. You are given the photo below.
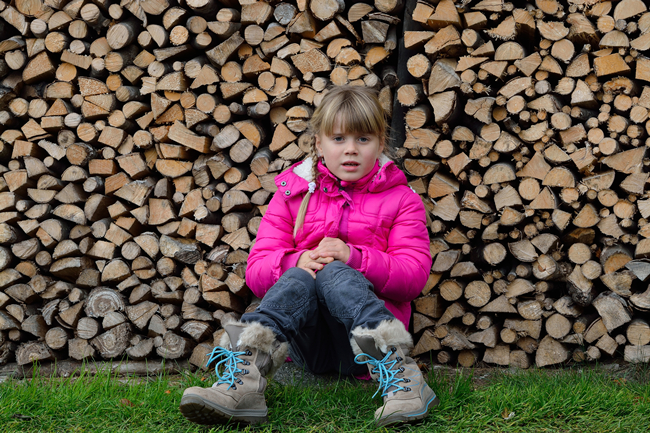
<point x="349" y="156"/>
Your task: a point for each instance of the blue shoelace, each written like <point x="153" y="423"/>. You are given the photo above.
<point x="229" y="362"/>
<point x="387" y="372"/>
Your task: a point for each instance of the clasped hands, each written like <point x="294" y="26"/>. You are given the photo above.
<point x="328" y="250"/>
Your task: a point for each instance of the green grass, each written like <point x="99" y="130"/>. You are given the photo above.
<point x="592" y="400"/>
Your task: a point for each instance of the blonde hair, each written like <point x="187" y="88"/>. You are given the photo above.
<point x="359" y="111"/>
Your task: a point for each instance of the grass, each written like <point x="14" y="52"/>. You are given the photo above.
<point x="573" y="400"/>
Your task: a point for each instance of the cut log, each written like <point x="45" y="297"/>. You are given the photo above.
<point x="28" y="353"/>
<point x="612" y="309"/>
<point x="550" y="352"/>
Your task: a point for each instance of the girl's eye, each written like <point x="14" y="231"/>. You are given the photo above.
<point x="363" y="139"/>
<point x="338" y="139"/>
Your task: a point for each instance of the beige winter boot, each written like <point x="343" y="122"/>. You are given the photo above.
<point x="407" y="397"/>
<point x="249" y="353"/>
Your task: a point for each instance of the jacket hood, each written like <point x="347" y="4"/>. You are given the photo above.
<point x="297" y="178"/>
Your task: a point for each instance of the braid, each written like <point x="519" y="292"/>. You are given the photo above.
<point x="300" y="218"/>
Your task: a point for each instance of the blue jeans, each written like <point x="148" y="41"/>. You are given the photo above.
<point x="316" y="316"/>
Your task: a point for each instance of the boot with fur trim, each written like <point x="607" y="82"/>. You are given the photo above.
<point x="249" y="353"/>
<point x="407" y="397"/>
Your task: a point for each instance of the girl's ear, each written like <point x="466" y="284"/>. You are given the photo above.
<point x="382" y="144"/>
<point x="319" y="150"/>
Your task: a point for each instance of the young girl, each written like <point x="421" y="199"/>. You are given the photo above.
<point x="340" y="253"/>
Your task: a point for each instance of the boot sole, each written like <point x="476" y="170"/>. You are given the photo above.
<point x="409" y="417"/>
<point x="201" y="411"/>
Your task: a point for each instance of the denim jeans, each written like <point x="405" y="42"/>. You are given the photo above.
<point x="316" y="316"/>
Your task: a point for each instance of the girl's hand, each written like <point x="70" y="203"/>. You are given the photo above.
<point x="312" y="265"/>
<point x="331" y="247"/>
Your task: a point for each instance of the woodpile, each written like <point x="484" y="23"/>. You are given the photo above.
<point x="527" y="130"/>
<point x="139" y="142"/>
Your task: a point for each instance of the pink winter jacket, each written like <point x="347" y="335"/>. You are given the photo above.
<point x="380" y="218"/>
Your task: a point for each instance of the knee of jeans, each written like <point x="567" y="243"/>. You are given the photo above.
<point x="298" y="273"/>
<point x="294" y="291"/>
<point x="342" y="289"/>
<point x="299" y="277"/>
<point x="333" y="271"/>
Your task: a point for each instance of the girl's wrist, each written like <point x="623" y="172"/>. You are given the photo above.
<point x="354" y="260"/>
<point x="291" y="260"/>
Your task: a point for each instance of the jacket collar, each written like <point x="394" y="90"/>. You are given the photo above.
<point x="331" y="182"/>
<point x="295" y="180"/>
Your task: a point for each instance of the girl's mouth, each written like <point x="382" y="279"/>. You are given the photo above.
<point x="350" y="166"/>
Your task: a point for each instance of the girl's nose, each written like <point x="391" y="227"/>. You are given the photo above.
<point x="350" y="147"/>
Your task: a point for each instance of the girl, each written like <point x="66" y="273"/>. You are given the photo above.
<point x="340" y="253"/>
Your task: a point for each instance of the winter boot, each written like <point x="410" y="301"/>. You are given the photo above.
<point x="407" y="397"/>
<point x="249" y="353"/>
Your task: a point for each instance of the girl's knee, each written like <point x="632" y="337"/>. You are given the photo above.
<point x="298" y="279"/>
<point x="331" y="270"/>
<point x="339" y="284"/>
<point x="298" y="273"/>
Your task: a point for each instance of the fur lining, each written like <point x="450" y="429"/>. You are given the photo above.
<point x="257" y="336"/>
<point x="388" y="333"/>
<point x="224" y="341"/>
<point x="278" y="356"/>
<point x="304" y="170"/>
<point x="383" y="160"/>
<point x="262" y="338"/>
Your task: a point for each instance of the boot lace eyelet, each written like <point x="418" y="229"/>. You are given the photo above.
<point x="389" y="372"/>
<point x="230" y="366"/>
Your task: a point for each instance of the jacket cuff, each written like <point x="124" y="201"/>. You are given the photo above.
<point x="290" y="261"/>
<point x="354" y="261"/>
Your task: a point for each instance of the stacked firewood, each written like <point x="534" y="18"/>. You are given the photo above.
<point x="139" y="142"/>
<point x="527" y="131"/>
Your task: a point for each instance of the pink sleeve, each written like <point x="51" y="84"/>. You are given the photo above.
<point x="401" y="272"/>
<point x="354" y="261"/>
<point x="290" y="260"/>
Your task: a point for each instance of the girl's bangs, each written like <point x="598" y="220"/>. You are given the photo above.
<point x="354" y="117"/>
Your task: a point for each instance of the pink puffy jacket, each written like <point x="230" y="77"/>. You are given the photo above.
<point x="380" y="218"/>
